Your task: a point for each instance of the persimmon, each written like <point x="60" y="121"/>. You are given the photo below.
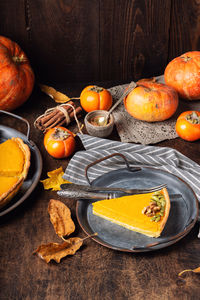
<point x="59" y="142"/>
<point x="95" y="98"/>
<point x="188" y="125"/>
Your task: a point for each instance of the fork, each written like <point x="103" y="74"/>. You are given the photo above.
<point x="71" y="190"/>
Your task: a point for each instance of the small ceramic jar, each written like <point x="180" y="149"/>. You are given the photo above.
<point x="93" y="120"/>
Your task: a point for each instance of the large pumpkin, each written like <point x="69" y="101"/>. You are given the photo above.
<point x="16" y="75"/>
<point x="183" y="74"/>
<point x="151" y="101"/>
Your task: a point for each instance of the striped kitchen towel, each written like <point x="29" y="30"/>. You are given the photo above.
<point x="163" y="158"/>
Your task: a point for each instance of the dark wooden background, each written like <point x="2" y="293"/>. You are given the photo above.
<point x="88" y="40"/>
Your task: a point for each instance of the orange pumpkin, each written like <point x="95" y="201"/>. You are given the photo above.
<point x="95" y="98"/>
<point x="16" y="75"/>
<point x="151" y="101"/>
<point x="183" y="74"/>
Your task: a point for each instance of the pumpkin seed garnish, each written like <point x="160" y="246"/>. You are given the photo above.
<point x="157" y="218"/>
<point x="156" y="208"/>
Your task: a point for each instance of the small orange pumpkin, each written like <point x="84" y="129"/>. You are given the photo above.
<point x="17" y="77"/>
<point x="183" y="74"/>
<point x="151" y="101"/>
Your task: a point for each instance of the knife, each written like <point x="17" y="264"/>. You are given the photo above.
<point x="85" y="195"/>
<point x="78" y="187"/>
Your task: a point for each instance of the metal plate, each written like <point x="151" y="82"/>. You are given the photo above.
<point x="182" y="217"/>
<point x="33" y="174"/>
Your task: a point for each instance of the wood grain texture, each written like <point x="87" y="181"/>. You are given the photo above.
<point x="13" y="22"/>
<point x="64" y="38"/>
<point x="84" y="40"/>
<point x="94" y="272"/>
<point x="184" y="27"/>
<point x="134" y="37"/>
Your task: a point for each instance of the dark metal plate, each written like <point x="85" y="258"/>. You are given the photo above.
<point x="183" y="213"/>
<point x="33" y="174"/>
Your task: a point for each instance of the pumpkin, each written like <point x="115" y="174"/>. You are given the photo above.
<point x="16" y="75"/>
<point x="95" y="98"/>
<point x="183" y="74"/>
<point x="151" y="101"/>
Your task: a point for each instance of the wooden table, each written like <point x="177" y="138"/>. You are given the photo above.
<point x="94" y="272"/>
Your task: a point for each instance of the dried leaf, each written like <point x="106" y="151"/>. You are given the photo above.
<point x="60" y="216"/>
<point x="55" y="180"/>
<point x="57" y="96"/>
<point x="55" y="251"/>
<point x="197" y="270"/>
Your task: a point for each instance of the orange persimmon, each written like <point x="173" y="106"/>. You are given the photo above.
<point x="59" y="142"/>
<point x="188" y="125"/>
<point x="95" y="98"/>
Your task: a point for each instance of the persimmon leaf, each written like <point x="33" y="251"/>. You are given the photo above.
<point x="60" y="217"/>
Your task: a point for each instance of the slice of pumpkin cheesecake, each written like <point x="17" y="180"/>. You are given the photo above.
<point x="14" y="166"/>
<point x="143" y="213"/>
<point x="14" y="157"/>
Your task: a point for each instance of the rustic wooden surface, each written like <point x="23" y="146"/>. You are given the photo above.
<point x="75" y="40"/>
<point x="94" y="272"/>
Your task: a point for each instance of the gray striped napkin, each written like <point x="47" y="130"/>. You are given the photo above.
<point x="163" y="158"/>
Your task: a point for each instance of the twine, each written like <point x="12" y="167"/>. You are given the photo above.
<point x="66" y="114"/>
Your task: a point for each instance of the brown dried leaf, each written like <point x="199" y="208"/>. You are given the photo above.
<point x="197" y="270"/>
<point x="57" y="96"/>
<point x="55" y="251"/>
<point x="60" y="216"/>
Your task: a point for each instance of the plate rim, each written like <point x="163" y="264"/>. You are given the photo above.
<point x="164" y="245"/>
<point x="35" y="149"/>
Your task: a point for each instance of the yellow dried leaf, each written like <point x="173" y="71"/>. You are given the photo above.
<point x="60" y="216"/>
<point x="55" y="251"/>
<point x="57" y="96"/>
<point x="197" y="270"/>
<point x="55" y="180"/>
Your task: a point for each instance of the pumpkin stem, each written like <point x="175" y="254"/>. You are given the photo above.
<point x="186" y="58"/>
<point x="19" y="60"/>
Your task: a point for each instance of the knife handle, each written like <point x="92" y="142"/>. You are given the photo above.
<point x="84" y="195"/>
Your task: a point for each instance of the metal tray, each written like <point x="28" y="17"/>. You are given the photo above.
<point x="182" y="218"/>
<point x="35" y="167"/>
